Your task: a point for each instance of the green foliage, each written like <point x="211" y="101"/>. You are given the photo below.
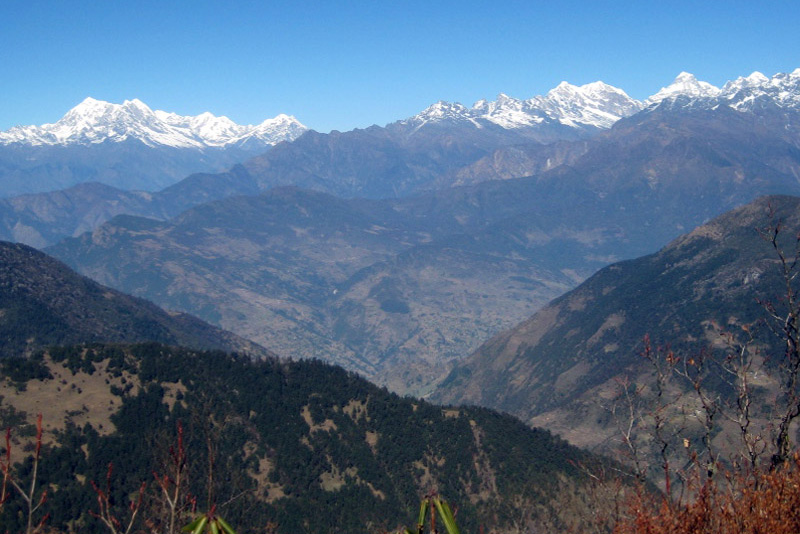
<point x="20" y="369"/>
<point x="210" y="523"/>
<point x="434" y="504"/>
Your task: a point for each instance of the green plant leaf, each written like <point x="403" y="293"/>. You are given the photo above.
<point x="446" y="515"/>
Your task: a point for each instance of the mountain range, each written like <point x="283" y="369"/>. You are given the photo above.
<point x="130" y="146"/>
<point x="402" y="284"/>
<point x="444" y="146"/>
<point x="402" y="289"/>
<point x="592" y="106"/>
<point x="565" y="229"/>
<point x="95" y="121"/>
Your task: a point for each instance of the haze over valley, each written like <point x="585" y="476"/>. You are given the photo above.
<point x="396" y="251"/>
<point x="290" y="270"/>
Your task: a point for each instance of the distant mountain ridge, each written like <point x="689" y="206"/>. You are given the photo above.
<point x="585" y="109"/>
<point x="129" y="146"/>
<point x="96" y="121"/>
<point x="598" y="106"/>
<point x="595" y="105"/>
<point x="742" y="94"/>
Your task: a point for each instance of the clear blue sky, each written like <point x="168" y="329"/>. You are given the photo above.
<point x="346" y="64"/>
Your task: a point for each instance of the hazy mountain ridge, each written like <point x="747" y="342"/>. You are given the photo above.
<point x="42" y="302"/>
<point x="431" y="152"/>
<point x="41" y="219"/>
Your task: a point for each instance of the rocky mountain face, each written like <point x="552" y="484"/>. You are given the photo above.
<point x="562" y="367"/>
<point x="42" y="302"/>
<point x="129" y="146"/>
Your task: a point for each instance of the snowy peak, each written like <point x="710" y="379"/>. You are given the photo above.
<point x="591" y="106"/>
<point x="595" y="104"/>
<point x="685" y="85"/>
<point x="441" y="113"/>
<point x="445" y="111"/>
<point x="746" y="93"/>
<point x="214" y="130"/>
<point x="95" y="121"/>
<point x="756" y="90"/>
<point x="272" y="131"/>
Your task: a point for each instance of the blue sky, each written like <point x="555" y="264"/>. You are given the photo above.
<point x="346" y="64"/>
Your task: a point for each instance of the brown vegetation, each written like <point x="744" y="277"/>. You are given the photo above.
<point x="765" y="501"/>
<point x="731" y="465"/>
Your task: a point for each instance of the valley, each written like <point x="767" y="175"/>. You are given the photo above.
<point x="402" y="288"/>
<point x="706" y="291"/>
<point x="326" y="289"/>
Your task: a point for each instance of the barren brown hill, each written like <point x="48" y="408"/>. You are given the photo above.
<point x="562" y="367"/>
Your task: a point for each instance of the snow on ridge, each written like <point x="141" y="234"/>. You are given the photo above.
<point x="95" y="121"/>
<point x="743" y="94"/>
<point x="441" y="112"/>
<point x="782" y="90"/>
<point x="594" y="105"/>
<point x="685" y="84"/>
<point x="599" y="105"/>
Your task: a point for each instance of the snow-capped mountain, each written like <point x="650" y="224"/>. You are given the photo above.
<point x="782" y="90"/>
<point x="594" y="106"/>
<point x="95" y="121"/>
<point x="743" y="94"/>
<point x="597" y="106"/>
<point x="685" y="85"/>
<point x="130" y="146"/>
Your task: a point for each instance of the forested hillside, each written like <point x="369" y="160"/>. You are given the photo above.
<point x="301" y="446"/>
